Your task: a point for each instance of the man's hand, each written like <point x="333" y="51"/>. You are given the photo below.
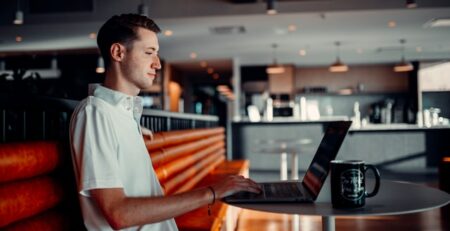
<point x="233" y="184"/>
<point x="147" y="132"/>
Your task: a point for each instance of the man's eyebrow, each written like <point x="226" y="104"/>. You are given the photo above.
<point x="151" y="48"/>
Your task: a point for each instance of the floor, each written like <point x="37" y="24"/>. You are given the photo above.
<point x="435" y="220"/>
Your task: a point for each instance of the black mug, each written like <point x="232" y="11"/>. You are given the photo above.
<point x="348" y="183"/>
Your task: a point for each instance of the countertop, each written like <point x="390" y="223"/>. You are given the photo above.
<point x="365" y="128"/>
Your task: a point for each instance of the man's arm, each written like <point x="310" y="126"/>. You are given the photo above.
<point x="121" y="211"/>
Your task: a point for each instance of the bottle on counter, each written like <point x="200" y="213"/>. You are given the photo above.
<point x="419" y="119"/>
<point x="427" y="118"/>
<point x="303" y="112"/>
<point x="269" y="109"/>
<point x="357" y="116"/>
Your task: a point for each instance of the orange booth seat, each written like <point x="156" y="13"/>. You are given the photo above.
<point x="37" y="188"/>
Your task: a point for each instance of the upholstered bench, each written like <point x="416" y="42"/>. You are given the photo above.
<point x="37" y="189"/>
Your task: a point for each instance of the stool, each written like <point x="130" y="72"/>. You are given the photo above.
<point x="444" y="174"/>
<point x="283" y="148"/>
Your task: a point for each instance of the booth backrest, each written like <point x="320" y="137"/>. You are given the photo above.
<point x="36" y="192"/>
<point x="182" y="158"/>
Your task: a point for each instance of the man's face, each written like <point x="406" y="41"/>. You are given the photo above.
<point x="141" y="62"/>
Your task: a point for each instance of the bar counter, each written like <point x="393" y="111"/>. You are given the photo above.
<point x="392" y="146"/>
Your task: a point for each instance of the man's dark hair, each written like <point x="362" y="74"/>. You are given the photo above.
<point x="122" y="29"/>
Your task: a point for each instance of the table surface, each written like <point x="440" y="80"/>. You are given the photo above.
<point x="394" y="198"/>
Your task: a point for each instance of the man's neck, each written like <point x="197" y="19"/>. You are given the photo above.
<point x="115" y="82"/>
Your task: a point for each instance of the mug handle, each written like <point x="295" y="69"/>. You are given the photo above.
<point x="377" y="179"/>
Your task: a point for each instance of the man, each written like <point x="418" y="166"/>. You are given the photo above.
<point x="118" y="188"/>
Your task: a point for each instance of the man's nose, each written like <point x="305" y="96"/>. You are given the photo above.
<point x="156" y="64"/>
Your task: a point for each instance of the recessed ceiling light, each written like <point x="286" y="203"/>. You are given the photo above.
<point x="438" y="22"/>
<point x="168" y="33"/>
<point x="210" y="70"/>
<point x="193" y="55"/>
<point x="19" y="38"/>
<point x="292" y="28"/>
<point x="419" y="49"/>
<point x="93" y="35"/>
<point x="203" y="64"/>
<point x="392" y="24"/>
<point x="302" y="52"/>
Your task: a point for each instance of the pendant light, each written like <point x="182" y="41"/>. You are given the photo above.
<point x="338" y="66"/>
<point x="143" y="9"/>
<point x="275" y="68"/>
<point x="100" y="65"/>
<point x="403" y="65"/>
<point x="271" y="7"/>
<point x="18" y="20"/>
<point x="411" y="4"/>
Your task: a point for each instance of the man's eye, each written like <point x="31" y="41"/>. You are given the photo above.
<point x="148" y="53"/>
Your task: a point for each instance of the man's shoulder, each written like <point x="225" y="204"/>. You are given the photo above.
<point x="93" y="104"/>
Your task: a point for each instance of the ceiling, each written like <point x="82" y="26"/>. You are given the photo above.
<point x="360" y="26"/>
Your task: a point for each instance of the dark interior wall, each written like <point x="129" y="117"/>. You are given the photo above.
<point x="77" y="71"/>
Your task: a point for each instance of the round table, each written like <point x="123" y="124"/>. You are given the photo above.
<point x="394" y="198"/>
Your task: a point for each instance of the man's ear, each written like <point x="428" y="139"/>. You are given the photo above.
<point x="117" y="52"/>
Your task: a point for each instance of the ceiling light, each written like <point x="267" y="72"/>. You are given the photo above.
<point x="410" y="4"/>
<point x="168" y="33"/>
<point x="302" y="52"/>
<point x="274" y="68"/>
<point x="438" y="22"/>
<point x="143" y="9"/>
<point x="338" y="65"/>
<point x="18" y="20"/>
<point x="54" y="63"/>
<point x="403" y="65"/>
<point x="392" y="24"/>
<point x="292" y="28"/>
<point x="203" y="64"/>
<point x="271" y="7"/>
<point x="2" y="65"/>
<point x="100" y="65"/>
<point x="19" y="38"/>
<point x="93" y="35"/>
<point x="193" y="55"/>
<point x="419" y="49"/>
<point x="210" y="70"/>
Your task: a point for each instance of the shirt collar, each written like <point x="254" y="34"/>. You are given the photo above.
<point x="130" y="104"/>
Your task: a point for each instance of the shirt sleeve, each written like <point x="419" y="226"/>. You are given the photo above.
<point x="95" y="144"/>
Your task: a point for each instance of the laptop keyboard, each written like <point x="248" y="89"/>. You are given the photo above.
<point x="281" y="190"/>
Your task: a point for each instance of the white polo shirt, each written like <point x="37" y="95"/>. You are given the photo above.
<point x="108" y="151"/>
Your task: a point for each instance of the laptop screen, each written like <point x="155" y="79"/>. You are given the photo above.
<point x="326" y="152"/>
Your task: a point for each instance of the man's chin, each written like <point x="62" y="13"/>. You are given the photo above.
<point x="148" y="84"/>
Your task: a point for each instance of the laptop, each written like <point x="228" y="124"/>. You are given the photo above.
<point x="308" y="189"/>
